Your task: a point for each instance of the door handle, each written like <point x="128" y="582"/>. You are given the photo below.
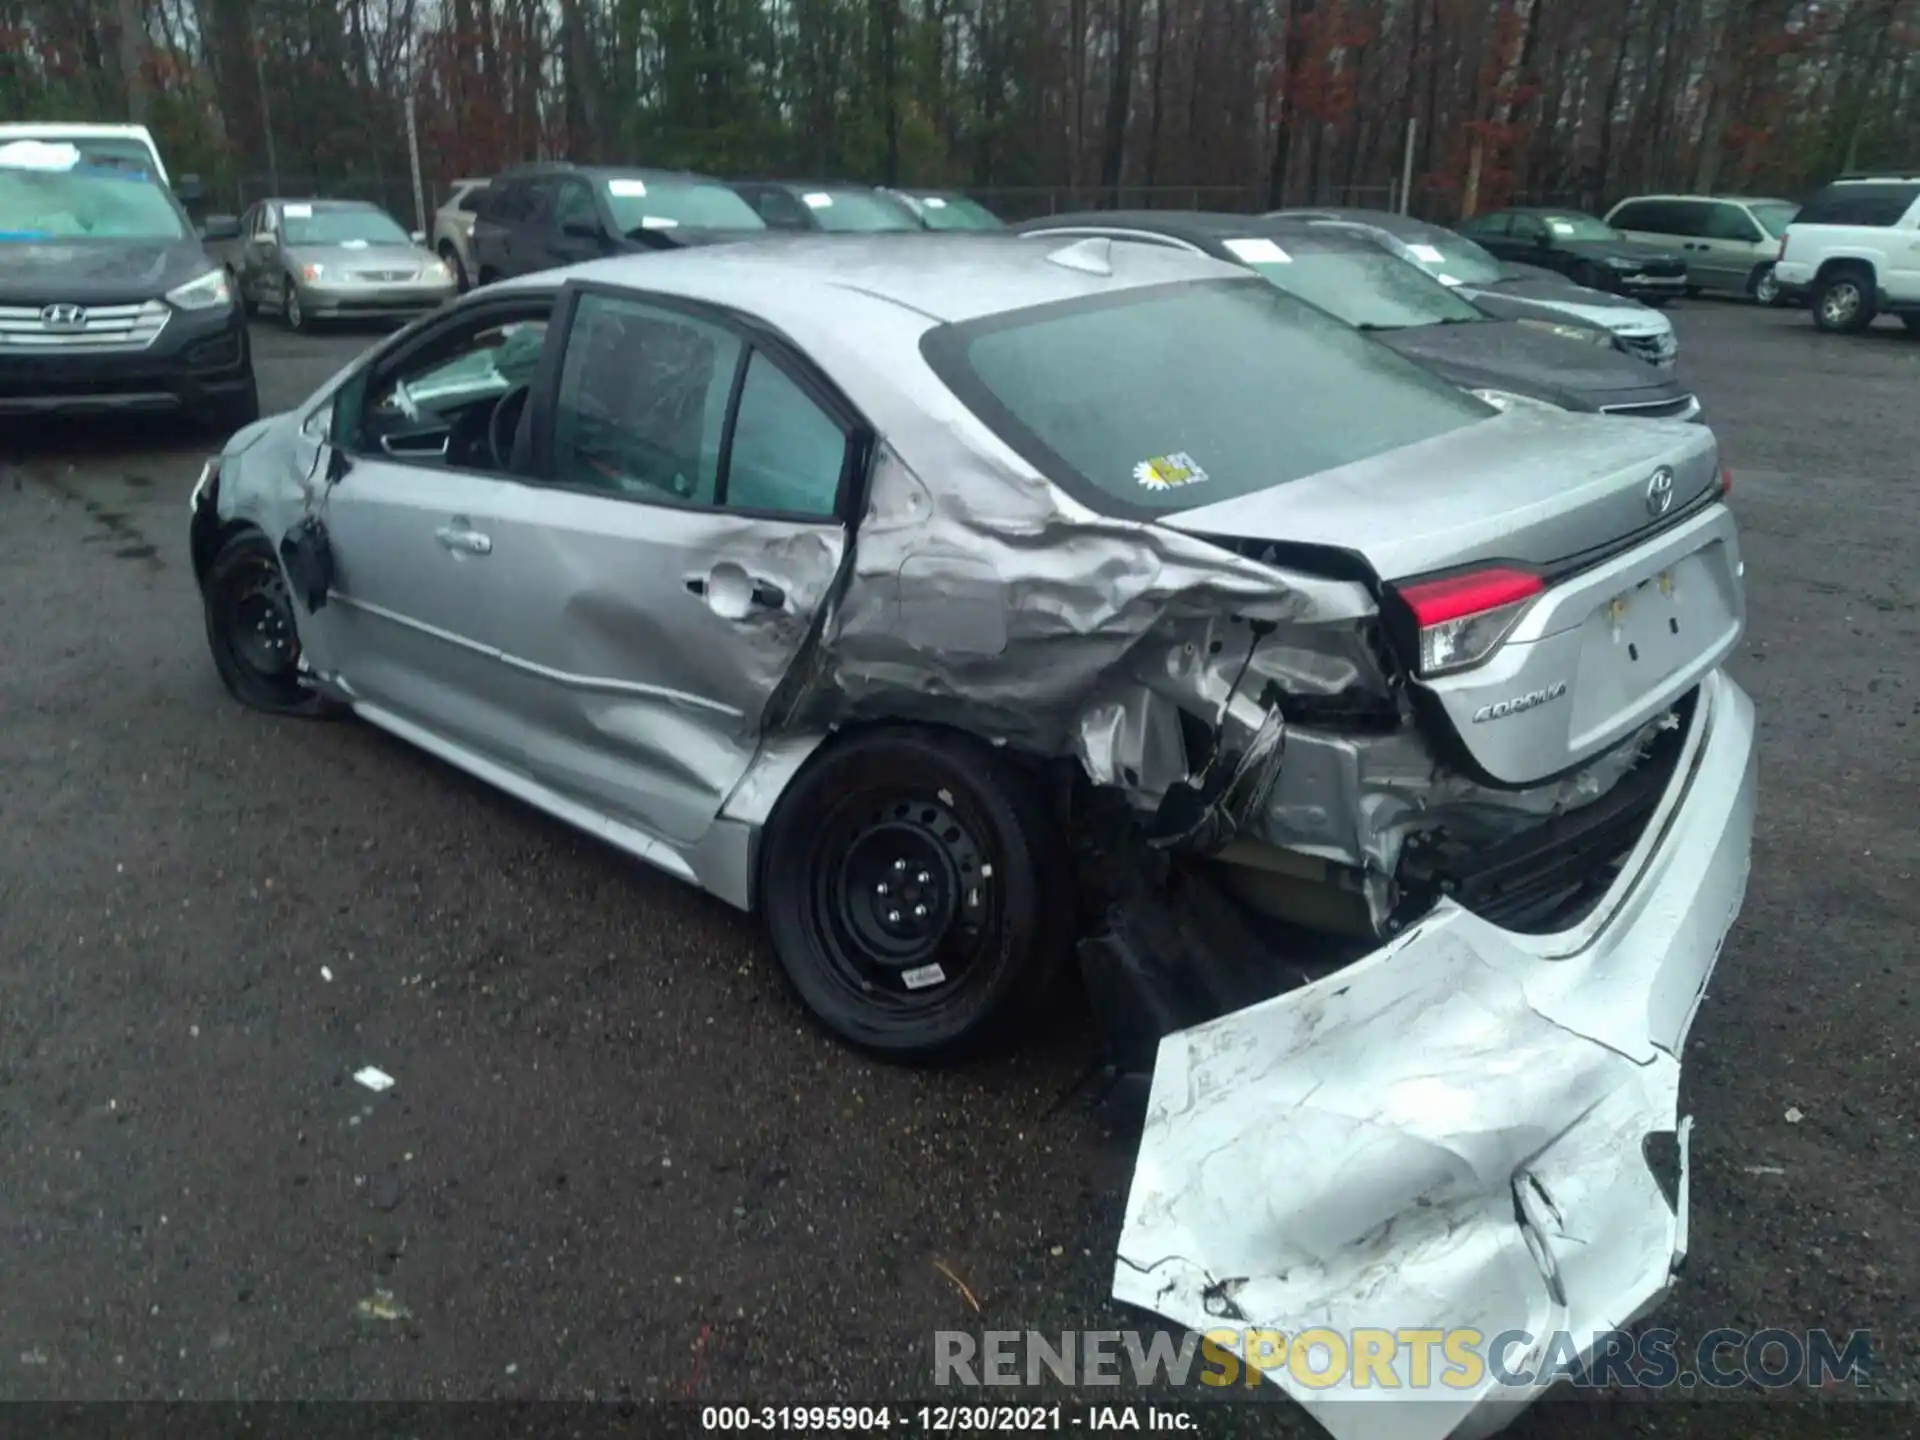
<point x="731" y="593"/>
<point x="461" y="541"/>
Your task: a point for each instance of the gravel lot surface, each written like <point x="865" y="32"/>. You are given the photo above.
<point x="616" y="1162"/>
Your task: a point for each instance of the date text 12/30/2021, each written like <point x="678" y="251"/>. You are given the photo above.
<point x="944" y="1419"/>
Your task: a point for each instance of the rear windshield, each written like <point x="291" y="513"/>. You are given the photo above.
<point x="1171" y="397"/>
<point x="84" y="203"/>
<point x="1859" y="203"/>
<point x="660" y="203"/>
<point x="1774" y="215"/>
<point x="1568" y="225"/>
<point x="956" y="212"/>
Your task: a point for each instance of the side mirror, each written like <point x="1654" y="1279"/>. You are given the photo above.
<point x="221" y="227"/>
<point x="419" y="237"/>
<point x="189" y="190"/>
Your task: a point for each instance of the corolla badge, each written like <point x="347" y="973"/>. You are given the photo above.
<point x="1660" y="492"/>
<point x="64" y="318"/>
<point x="1533" y="699"/>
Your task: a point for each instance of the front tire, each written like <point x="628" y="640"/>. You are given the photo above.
<point x="1589" y="275"/>
<point x="252" y="630"/>
<point x="294" y="311"/>
<point x="1843" y="302"/>
<point x="450" y="257"/>
<point x="916" y="890"/>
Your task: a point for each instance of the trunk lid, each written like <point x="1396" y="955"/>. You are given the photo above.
<point x="1536" y="487"/>
<point x="1639" y="607"/>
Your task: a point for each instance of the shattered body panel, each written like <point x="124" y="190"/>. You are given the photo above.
<point x="1459" y="1130"/>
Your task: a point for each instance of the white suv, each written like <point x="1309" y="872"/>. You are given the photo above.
<point x="1853" y="252"/>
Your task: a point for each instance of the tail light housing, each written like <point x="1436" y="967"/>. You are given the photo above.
<point x="1726" y="482"/>
<point x="1459" y="620"/>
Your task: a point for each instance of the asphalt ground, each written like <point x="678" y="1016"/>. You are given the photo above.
<point x="617" y="1162"/>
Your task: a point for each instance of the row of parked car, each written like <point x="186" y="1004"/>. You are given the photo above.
<point x="1513" y="333"/>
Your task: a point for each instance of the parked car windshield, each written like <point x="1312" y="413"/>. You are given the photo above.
<point x="862" y="210"/>
<point x="1368" y="288"/>
<point x="340" y="225"/>
<point x="652" y="202"/>
<point x="1774" y="215"/>
<point x="1448" y="257"/>
<point x="99" y="203"/>
<point x="956" y="212"/>
<point x="1580" y="227"/>
<point x="1174" y="396"/>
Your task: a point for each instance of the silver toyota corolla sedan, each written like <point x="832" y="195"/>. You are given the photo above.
<point x="970" y="607"/>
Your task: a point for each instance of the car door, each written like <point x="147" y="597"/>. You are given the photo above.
<point x="577" y="231"/>
<point x="1732" y="243"/>
<point x="674" y="566"/>
<point x="261" y="256"/>
<point x="416" y="497"/>
<point x="530" y="236"/>
<point x="1494" y="233"/>
<point x="1531" y="242"/>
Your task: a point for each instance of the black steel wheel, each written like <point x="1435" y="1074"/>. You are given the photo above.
<point x="916" y="893"/>
<point x="253" y="631"/>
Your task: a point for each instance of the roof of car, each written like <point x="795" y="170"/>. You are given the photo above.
<point x="568" y="167"/>
<point x="1204" y="227"/>
<point x="942" y="276"/>
<point x="853" y="185"/>
<point x="1735" y="199"/>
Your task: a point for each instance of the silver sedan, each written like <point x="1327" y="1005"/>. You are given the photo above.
<point x="313" y="260"/>
<point x="952" y="600"/>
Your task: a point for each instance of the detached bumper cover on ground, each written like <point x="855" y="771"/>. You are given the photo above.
<point x="1468" y="1128"/>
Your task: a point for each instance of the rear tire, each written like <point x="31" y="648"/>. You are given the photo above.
<point x="252" y="630"/>
<point x="1843" y="301"/>
<point x="917" y="893"/>
<point x="450" y="257"/>
<point x="1764" y="286"/>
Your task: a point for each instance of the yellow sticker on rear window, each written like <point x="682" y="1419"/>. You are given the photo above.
<point x="1169" y="472"/>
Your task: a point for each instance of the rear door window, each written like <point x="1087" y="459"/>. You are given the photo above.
<point x="1170" y="397"/>
<point x="1870" y="203"/>
<point x="1730" y="222"/>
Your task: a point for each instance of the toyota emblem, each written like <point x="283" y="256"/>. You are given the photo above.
<point x="64" y="317"/>
<point x="1660" y="492"/>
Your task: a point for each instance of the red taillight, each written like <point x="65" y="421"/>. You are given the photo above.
<point x="1463" y="618"/>
<point x="1434" y="602"/>
<point x="1726" y="482"/>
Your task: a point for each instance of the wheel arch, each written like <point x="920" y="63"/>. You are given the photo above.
<point x="729" y="860"/>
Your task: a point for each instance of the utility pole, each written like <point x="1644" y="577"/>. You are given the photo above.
<point x="413" y="158"/>
<point x="266" y="117"/>
<point x="1406" y="168"/>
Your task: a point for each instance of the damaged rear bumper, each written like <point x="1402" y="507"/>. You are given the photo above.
<point x="1468" y="1128"/>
